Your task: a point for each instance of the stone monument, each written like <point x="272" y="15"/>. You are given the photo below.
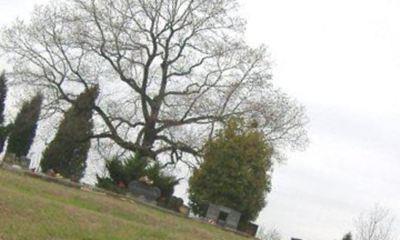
<point x="223" y="216"/>
<point x="140" y="189"/>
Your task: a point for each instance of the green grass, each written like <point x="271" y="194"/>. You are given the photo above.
<point x="34" y="209"/>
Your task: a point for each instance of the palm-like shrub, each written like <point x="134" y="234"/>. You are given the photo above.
<point x="123" y="171"/>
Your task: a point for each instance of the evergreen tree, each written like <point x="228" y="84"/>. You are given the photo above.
<point x="24" y="130"/>
<point x="68" y="151"/>
<point x="235" y="172"/>
<point x="4" y="130"/>
<point x="3" y="95"/>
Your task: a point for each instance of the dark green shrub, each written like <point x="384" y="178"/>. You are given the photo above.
<point x="117" y="171"/>
<point x="173" y="203"/>
<point x="235" y="172"/>
<point x="25" y="125"/>
<point x="4" y="130"/>
<point x="109" y="184"/>
<point x="68" y="151"/>
<point x="133" y="168"/>
<point x="164" y="182"/>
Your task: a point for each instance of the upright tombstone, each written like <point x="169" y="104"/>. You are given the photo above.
<point x="25" y="162"/>
<point x="149" y="193"/>
<point x="12" y="159"/>
<point x="223" y="216"/>
<point x="249" y="228"/>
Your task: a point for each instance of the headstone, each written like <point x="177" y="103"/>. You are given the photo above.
<point x="223" y="216"/>
<point x="147" y="192"/>
<point x="250" y="229"/>
<point x="12" y="159"/>
<point x="24" y="162"/>
<point x="51" y="173"/>
<point x="16" y="167"/>
<point x="174" y="203"/>
<point x="185" y="210"/>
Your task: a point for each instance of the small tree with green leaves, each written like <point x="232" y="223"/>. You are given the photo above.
<point x="68" y="151"/>
<point x="235" y="172"/>
<point x="4" y="130"/>
<point x="24" y="128"/>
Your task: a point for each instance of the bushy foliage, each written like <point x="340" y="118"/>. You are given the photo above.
<point x="4" y="130"/>
<point x="4" y="133"/>
<point x="235" y="172"/>
<point x="125" y="170"/>
<point x="174" y="203"/>
<point x="133" y="168"/>
<point x="68" y="151"/>
<point x="3" y="95"/>
<point x="25" y="125"/>
<point x="166" y="183"/>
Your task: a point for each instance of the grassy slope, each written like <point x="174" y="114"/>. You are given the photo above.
<point x="35" y="209"/>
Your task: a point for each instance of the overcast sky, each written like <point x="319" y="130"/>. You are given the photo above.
<point x="341" y="59"/>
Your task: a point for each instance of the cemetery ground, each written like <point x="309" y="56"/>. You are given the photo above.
<point x="31" y="208"/>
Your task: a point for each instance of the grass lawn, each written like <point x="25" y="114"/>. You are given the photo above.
<point x="34" y="209"/>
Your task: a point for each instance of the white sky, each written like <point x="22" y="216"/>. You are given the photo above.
<point x="341" y="59"/>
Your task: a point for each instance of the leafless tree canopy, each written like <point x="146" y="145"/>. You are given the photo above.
<point x="376" y="224"/>
<point x="170" y="71"/>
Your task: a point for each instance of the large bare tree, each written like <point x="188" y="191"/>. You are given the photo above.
<point x="170" y="71"/>
<point x="375" y="224"/>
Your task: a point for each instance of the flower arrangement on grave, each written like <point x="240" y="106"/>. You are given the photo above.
<point x="146" y="180"/>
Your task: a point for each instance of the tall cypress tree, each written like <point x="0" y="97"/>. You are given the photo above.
<point x="3" y="94"/>
<point x="67" y="153"/>
<point x="24" y="130"/>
